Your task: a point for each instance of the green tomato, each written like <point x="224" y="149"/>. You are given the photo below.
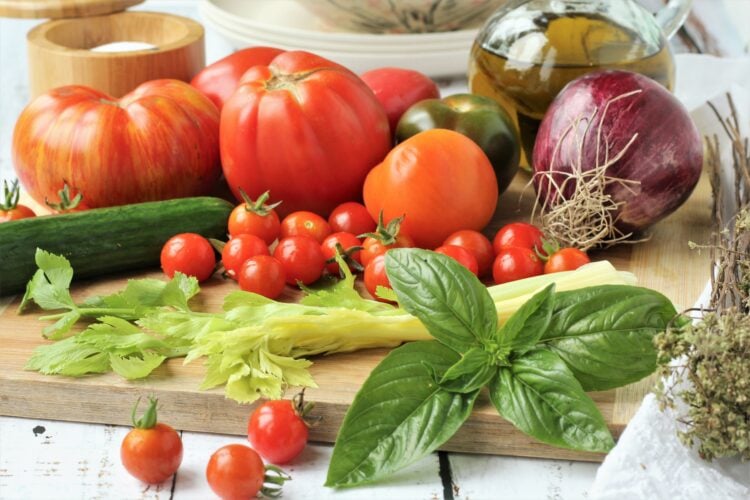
<point x="478" y="118"/>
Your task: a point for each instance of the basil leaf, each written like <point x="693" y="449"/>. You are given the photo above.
<point x="398" y="416"/>
<point x="540" y="396"/>
<point x="472" y="372"/>
<point x="450" y="301"/>
<point x="524" y="328"/>
<point x="605" y="333"/>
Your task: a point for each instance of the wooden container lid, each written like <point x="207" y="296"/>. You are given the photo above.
<point x="58" y="9"/>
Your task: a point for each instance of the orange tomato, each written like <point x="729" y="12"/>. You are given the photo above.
<point x="440" y="180"/>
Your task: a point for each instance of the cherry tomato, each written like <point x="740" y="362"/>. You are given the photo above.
<point x="351" y="217"/>
<point x="349" y="244"/>
<point x="190" y="254"/>
<point x="462" y="256"/>
<point x="263" y="275"/>
<point x="277" y="430"/>
<point x="302" y="259"/>
<point x="152" y="451"/>
<point x="256" y="218"/>
<point x="476" y="243"/>
<point x="565" y="259"/>
<point x="10" y="209"/>
<point x="515" y="263"/>
<point x="375" y="276"/>
<point x="304" y="223"/>
<point x="240" y="248"/>
<point x="235" y="471"/>
<point x="518" y="234"/>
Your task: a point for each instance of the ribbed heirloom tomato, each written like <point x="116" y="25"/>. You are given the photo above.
<point x="439" y="180"/>
<point x="158" y="142"/>
<point x="305" y="128"/>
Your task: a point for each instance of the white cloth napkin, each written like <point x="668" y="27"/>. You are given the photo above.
<point x="649" y="461"/>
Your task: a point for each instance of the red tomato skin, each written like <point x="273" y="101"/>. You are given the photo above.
<point x="304" y="223"/>
<point x="565" y="259"/>
<point x="276" y="432"/>
<point x="515" y="263"/>
<point x="305" y="128"/>
<point x="347" y="241"/>
<point x="351" y="217"/>
<point x="398" y="88"/>
<point x="375" y="276"/>
<point x="160" y="141"/>
<point x="17" y="213"/>
<point x="219" y="80"/>
<point x="190" y="254"/>
<point x="152" y="455"/>
<point x="240" y="248"/>
<point x="243" y="221"/>
<point x="262" y="274"/>
<point x="423" y="176"/>
<point x="302" y="259"/>
<point x="460" y="255"/>
<point x="518" y="234"/>
<point x="476" y="243"/>
<point x="235" y="472"/>
<point x="374" y="247"/>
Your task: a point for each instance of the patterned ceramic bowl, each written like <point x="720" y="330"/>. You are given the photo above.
<point x="402" y="16"/>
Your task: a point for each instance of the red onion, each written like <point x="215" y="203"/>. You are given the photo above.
<point x="601" y="116"/>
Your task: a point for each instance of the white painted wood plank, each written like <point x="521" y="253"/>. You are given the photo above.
<point x="42" y="459"/>
<point x="308" y="472"/>
<point x="477" y="477"/>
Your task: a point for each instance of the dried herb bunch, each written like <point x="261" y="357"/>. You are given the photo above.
<point x="712" y="373"/>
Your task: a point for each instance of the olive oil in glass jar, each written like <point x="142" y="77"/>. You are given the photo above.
<point x="529" y="50"/>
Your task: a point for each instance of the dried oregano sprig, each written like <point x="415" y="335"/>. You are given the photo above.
<point x="712" y="379"/>
<point x="716" y="354"/>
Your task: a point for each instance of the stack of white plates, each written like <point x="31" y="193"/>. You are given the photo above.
<point x="287" y="25"/>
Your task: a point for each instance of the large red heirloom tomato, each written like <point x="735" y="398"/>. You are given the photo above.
<point x="305" y="128"/>
<point x="160" y="141"/>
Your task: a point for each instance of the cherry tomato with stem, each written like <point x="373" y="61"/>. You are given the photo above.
<point x="515" y="263"/>
<point x="262" y="274"/>
<point x="384" y="238"/>
<point x="190" y="254"/>
<point x="351" y="217"/>
<point x="348" y="246"/>
<point x="376" y="276"/>
<point x="302" y="259"/>
<point x="256" y="218"/>
<point x="10" y="209"/>
<point x="460" y="255"/>
<point x="152" y="451"/>
<point x="476" y="243"/>
<point x="565" y="259"/>
<point x="278" y="430"/>
<point x="519" y="234"/>
<point x="236" y="471"/>
<point x="240" y="248"/>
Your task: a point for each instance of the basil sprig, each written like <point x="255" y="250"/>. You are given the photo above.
<point x="537" y="365"/>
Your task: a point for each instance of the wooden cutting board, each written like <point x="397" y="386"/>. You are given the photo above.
<point x="664" y="263"/>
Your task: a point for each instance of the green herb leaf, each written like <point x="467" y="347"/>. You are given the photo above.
<point x="450" y="301"/>
<point x="399" y="415"/>
<point x="524" y="328"/>
<point x="67" y="357"/>
<point x="49" y="285"/>
<point x="605" y="333"/>
<point x="135" y="367"/>
<point x="539" y="395"/>
<point x="473" y="371"/>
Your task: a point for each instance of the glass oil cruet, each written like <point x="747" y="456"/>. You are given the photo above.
<point x="528" y="50"/>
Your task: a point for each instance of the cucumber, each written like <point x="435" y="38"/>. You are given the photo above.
<point x="105" y="240"/>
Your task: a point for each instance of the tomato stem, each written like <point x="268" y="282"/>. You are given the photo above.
<point x="148" y="419"/>
<point x="258" y="206"/>
<point x="275" y="477"/>
<point x="66" y="202"/>
<point x="12" y="195"/>
<point x="387" y="234"/>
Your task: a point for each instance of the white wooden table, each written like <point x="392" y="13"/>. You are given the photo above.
<point x="42" y="459"/>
